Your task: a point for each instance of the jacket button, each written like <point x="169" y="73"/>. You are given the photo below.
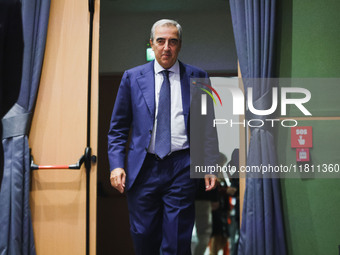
<point x="150" y="131"/>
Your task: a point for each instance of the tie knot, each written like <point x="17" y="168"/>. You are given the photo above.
<point x="165" y="73"/>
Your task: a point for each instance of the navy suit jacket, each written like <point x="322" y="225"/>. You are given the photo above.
<point x="134" y="111"/>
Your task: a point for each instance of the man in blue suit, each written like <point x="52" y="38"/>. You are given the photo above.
<point x="152" y="106"/>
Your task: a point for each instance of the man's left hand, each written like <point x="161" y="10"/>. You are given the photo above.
<point x="210" y="182"/>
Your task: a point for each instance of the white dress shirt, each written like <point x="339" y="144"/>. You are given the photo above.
<point x="179" y="138"/>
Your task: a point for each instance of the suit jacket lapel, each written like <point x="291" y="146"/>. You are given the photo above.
<point x="146" y="83"/>
<point x="186" y="96"/>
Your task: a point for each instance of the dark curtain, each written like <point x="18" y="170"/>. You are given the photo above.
<point x="262" y="229"/>
<point x="25" y="20"/>
<point x="11" y="48"/>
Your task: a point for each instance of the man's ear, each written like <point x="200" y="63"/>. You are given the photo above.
<point x="151" y="43"/>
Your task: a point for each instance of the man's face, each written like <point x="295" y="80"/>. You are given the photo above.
<point x="166" y="45"/>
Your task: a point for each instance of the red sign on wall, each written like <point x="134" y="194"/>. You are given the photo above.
<point x="301" y="137"/>
<point x="302" y="155"/>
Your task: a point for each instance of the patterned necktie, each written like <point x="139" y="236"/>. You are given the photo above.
<point x="163" y="132"/>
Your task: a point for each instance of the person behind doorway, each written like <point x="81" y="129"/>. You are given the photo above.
<point x="233" y="192"/>
<point x="205" y="202"/>
<point x="220" y="214"/>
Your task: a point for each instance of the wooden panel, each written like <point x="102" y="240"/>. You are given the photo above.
<point x="94" y="129"/>
<point x="58" y="133"/>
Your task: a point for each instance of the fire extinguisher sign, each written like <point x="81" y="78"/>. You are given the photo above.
<point x="301" y="137"/>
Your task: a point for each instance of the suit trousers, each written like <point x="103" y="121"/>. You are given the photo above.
<point x="161" y="206"/>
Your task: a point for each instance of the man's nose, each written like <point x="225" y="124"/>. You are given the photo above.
<point x="166" y="45"/>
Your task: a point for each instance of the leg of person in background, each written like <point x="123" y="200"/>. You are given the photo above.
<point x="203" y="225"/>
<point x="219" y="237"/>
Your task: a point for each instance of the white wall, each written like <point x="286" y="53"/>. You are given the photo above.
<point x="228" y="135"/>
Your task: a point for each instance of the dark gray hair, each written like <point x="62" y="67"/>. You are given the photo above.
<point x="166" y="22"/>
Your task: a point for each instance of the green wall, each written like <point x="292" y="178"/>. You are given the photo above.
<point x="309" y="38"/>
<point x="309" y="46"/>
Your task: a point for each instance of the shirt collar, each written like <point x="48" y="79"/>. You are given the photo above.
<point x="174" y="69"/>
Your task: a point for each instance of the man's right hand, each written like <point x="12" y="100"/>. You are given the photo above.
<point x="117" y="179"/>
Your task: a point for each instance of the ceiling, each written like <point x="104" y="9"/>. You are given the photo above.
<point x="162" y="5"/>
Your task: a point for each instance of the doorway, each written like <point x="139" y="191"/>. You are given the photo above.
<point x="208" y="43"/>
